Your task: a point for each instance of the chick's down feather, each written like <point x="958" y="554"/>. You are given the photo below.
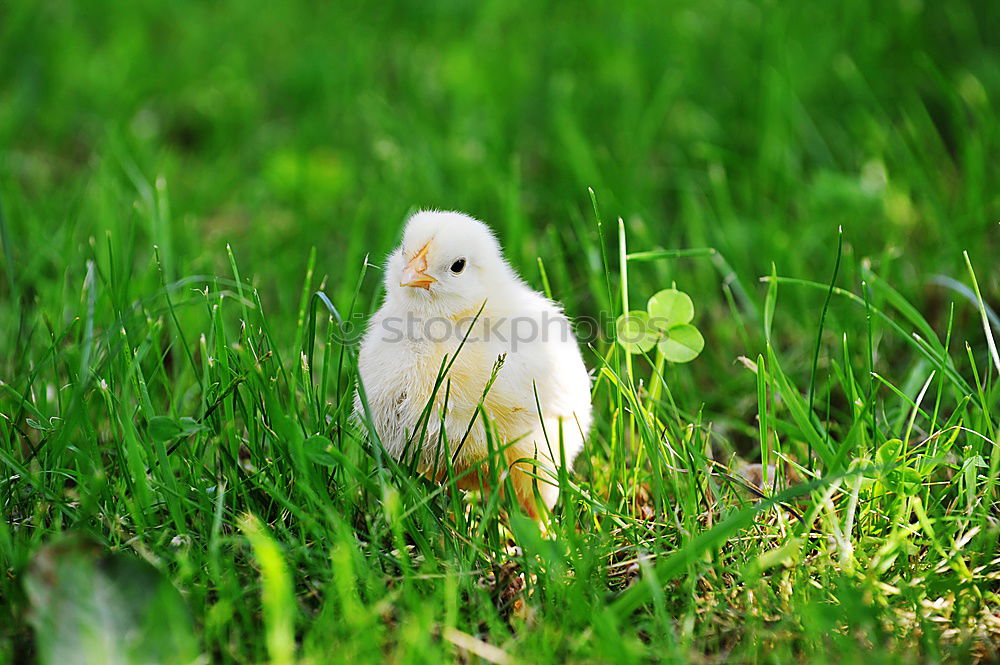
<point x="449" y="290"/>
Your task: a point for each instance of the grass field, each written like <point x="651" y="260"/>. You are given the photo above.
<point x="177" y="181"/>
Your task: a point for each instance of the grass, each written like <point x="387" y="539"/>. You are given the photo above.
<point x="196" y="198"/>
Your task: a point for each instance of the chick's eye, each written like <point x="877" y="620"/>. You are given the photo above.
<point x="458" y="266"/>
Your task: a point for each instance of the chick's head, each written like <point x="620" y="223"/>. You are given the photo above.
<point x="448" y="264"/>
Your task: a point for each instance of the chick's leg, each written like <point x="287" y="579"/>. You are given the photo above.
<point x="534" y="484"/>
<point x="535" y="462"/>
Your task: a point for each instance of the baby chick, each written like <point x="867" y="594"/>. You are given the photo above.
<point x="448" y="268"/>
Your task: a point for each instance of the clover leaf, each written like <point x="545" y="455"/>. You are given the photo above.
<point x="635" y="332"/>
<point x="666" y="324"/>
<point x="681" y="343"/>
<point x="669" y="308"/>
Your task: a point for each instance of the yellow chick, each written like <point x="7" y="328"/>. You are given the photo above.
<point x="449" y="269"/>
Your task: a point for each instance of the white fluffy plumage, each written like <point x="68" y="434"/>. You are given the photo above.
<point x="447" y="267"/>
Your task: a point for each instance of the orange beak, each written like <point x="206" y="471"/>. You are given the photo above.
<point x="415" y="272"/>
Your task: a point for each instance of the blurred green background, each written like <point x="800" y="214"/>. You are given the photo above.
<point x="756" y="128"/>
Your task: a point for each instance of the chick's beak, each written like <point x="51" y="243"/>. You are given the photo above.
<point x="415" y="272"/>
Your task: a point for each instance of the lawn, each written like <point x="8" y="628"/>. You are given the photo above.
<point x="195" y="203"/>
